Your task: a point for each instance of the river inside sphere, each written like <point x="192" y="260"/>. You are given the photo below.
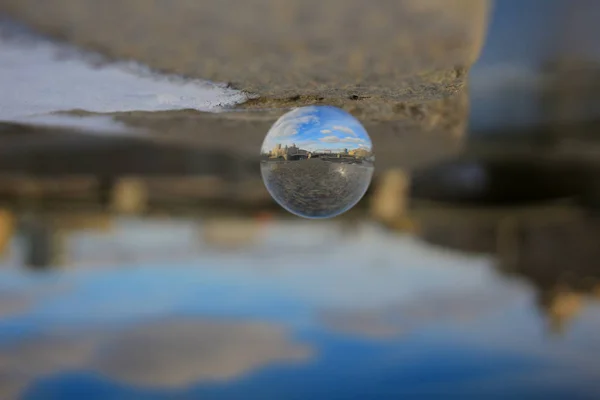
<point x="317" y="161"/>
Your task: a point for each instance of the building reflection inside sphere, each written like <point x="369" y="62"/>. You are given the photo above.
<point x="317" y="161"/>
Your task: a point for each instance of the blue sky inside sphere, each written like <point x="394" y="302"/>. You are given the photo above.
<point x="317" y="128"/>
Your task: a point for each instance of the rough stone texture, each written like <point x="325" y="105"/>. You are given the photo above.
<point x="421" y="134"/>
<point x="397" y="65"/>
<point x="291" y="52"/>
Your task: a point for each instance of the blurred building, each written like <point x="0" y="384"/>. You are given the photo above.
<point x="358" y="153"/>
<point x="288" y="152"/>
<point x="554" y="248"/>
<point x="231" y="232"/>
<point x="7" y="226"/>
<point x="560" y="308"/>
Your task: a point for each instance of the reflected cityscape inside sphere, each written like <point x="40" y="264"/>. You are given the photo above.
<point x="317" y="161"/>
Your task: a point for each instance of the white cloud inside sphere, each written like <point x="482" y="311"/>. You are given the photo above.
<point x="288" y="124"/>
<point x="344" y="129"/>
<point x="330" y="139"/>
<point x="349" y="139"/>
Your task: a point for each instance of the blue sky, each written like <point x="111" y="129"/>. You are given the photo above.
<point x="407" y="317"/>
<point x="317" y="127"/>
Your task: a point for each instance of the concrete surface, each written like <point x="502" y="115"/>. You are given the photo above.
<point x="289" y="52"/>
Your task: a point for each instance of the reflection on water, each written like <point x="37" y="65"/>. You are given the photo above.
<point x="317" y="162"/>
<point x="505" y="178"/>
<point x="218" y="307"/>
<point x="552" y="248"/>
<point x="168" y="353"/>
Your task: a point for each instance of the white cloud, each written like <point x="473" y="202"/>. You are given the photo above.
<point x="287" y="125"/>
<point x="312" y="145"/>
<point x="349" y="139"/>
<point x="344" y="129"/>
<point x="330" y="139"/>
<point x="14" y="302"/>
<point x="325" y="131"/>
<point x="162" y="354"/>
<point x="402" y="317"/>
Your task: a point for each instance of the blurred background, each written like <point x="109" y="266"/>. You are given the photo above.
<point x="142" y="257"/>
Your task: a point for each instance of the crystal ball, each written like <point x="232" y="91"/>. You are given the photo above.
<point x="317" y="161"/>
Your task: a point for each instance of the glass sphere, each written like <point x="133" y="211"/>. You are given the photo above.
<point x="317" y="161"/>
